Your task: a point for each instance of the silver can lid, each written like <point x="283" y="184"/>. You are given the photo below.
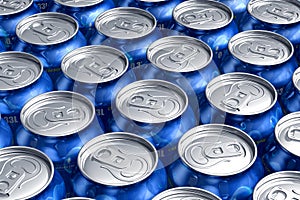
<point x="117" y="159"/>
<point x="10" y="7"/>
<point x="94" y="64"/>
<point x="287" y="132"/>
<point x="58" y="113"/>
<point x="275" y="11"/>
<point x="217" y="150"/>
<point x="241" y="94"/>
<point x="202" y="14"/>
<point x="18" y="70"/>
<point x="279" y="185"/>
<point x="186" y="193"/>
<point x="47" y="28"/>
<point x="179" y="54"/>
<point x="125" y="23"/>
<point x="151" y="101"/>
<point x="296" y="78"/>
<point x="259" y="47"/>
<point x="25" y="172"/>
<point x="78" y="3"/>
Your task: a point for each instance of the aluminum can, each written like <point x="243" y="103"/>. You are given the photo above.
<point x="238" y="7"/>
<point x="207" y="20"/>
<point x="281" y="152"/>
<point x="280" y="185"/>
<point x="280" y="16"/>
<point x="186" y="193"/>
<point x="158" y="111"/>
<point x="59" y="123"/>
<point x="245" y="101"/>
<point x="11" y="13"/>
<point x="85" y="12"/>
<point x="43" y="4"/>
<point x="184" y="61"/>
<point x="6" y="134"/>
<point x="262" y="53"/>
<point x="119" y="166"/>
<point x="290" y="97"/>
<point x="2" y="46"/>
<point x="161" y="9"/>
<point x="95" y="72"/>
<point x="219" y="158"/>
<point x="21" y="78"/>
<point x="49" y="36"/>
<point x="27" y="173"/>
<point x="131" y="30"/>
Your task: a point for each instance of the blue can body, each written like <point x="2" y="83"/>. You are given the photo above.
<point x="5" y="134"/>
<point x="238" y="7"/>
<point x="56" y="190"/>
<point x="85" y="16"/>
<point x="144" y="190"/>
<point x="62" y="151"/>
<point x="135" y="49"/>
<point x="11" y="102"/>
<point x="163" y="10"/>
<point x="279" y="75"/>
<point x="2" y="46"/>
<point x="8" y="24"/>
<point x="290" y="97"/>
<point x="51" y="56"/>
<point x="43" y="4"/>
<point x="277" y="158"/>
<point x="239" y="186"/>
<point x="259" y="126"/>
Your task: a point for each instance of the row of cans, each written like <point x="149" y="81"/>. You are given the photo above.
<point x="217" y="158"/>
<point x="60" y="123"/>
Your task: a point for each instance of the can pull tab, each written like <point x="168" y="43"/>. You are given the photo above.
<point x="241" y="94"/>
<point x="98" y="67"/>
<point x="224" y="150"/>
<point x="122" y="166"/>
<point x="280" y="12"/>
<point x="15" y="172"/>
<point x="183" y="53"/>
<point x="129" y="25"/>
<point x="279" y="193"/>
<point x="10" y="72"/>
<point x="264" y="50"/>
<point x="199" y="17"/>
<point x="294" y="133"/>
<point x="62" y="114"/>
<point x="12" y="4"/>
<point x="146" y="101"/>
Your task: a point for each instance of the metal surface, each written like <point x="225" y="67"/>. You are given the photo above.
<point x="203" y="14"/>
<point x="275" y="11"/>
<point x="259" y="47"/>
<point x="95" y="64"/>
<point x="280" y="185"/>
<point x="47" y="28"/>
<point x="125" y="23"/>
<point x="241" y="94"/>
<point x="287" y="132"/>
<point x="78" y="3"/>
<point x="58" y="113"/>
<point x="25" y="172"/>
<point x="151" y="101"/>
<point x="10" y="7"/>
<point x="18" y="70"/>
<point x="117" y="159"/>
<point x="179" y="54"/>
<point x="217" y="150"/>
<point x="186" y="193"/>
